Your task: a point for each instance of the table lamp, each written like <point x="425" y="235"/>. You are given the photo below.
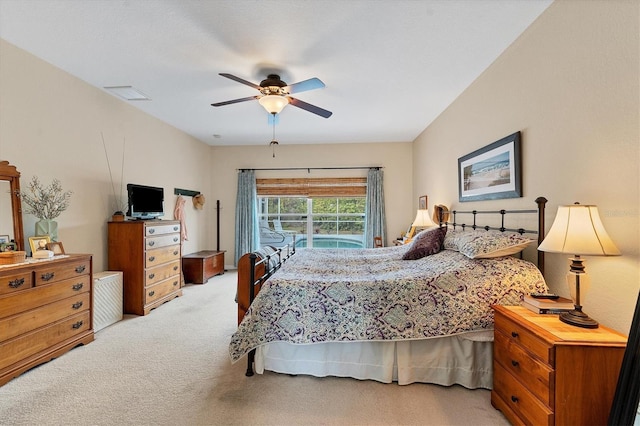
<point x="578" y="230"/>
<point x="422" y="220"/>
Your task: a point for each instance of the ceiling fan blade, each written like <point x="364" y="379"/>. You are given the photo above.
<point x="303" y="86"/>
<point x="308" y="107"/>
<point x="240" y="80"/>
<point x="235" y="101"/>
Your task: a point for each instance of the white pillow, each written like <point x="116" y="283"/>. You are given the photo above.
<point x="486" y="244"/>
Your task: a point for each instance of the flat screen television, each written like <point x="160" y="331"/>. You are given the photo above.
<point x="145" y="202"/>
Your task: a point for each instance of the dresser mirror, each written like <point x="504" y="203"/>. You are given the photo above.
<point x="10" y="205"/>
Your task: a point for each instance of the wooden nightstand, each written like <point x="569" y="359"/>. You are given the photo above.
<point x="546" y="372"/>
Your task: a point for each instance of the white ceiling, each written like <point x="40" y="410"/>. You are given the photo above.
<point x="390" y="67"/>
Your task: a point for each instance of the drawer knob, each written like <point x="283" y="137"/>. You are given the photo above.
<point x="151" y="230"/>
<point x="47" y="276"/>
<point x="16" y="283"/>
<point x="80" y="269"/>
<point x="152" y="243"/>
<point x="151" y="293"/>
<point x="77" y="287"/>
<point x="514" y="334"/>
<point x="515" y="363"/>
<point x="151" y="276"/>
<point x="77" y="325"/>
<point x="514" y="399"/>
<point x="175" y="228"/>
<point x="175" y="252"/>
<point x="175" y="239"/>
<point x="175" y="268"/>
<point x="77" y="305"/>
<point x="175" y="283"/>
<point x="152" y="258"/>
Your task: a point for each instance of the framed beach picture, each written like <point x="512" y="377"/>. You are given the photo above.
<point x="4" y="239"/>
<point x="492" y="172"/>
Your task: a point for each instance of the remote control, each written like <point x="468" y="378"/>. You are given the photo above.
<point x="544" y="296"/>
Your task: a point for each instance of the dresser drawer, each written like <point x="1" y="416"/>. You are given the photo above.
<point x="22" y="301"/>
<point x="161" y="229"/>
<point x="31" y="320"/>
<point x="16" y="282"/>
<point x="161" y="255"/>
<point x="162" y="272"/>
<point x="536" y="376"/>
<point x="519" y="334"/>
<point x="56" y="272"/>
<point x="520" y="400"/>
<point x="161" y="241"/>
<point x="158" y="291"/>
<point x="42" y="339"/>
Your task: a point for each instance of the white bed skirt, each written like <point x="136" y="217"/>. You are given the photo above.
<point x="466" y="360"/>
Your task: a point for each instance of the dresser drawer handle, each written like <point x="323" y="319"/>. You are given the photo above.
<point x="152" y="243"/>
<point x="77" y="305"/>
<point x="514" y="334"/>
<point x="151" y="293"/>
<point x="515" y="363"/>
<point x="152" y="231"/>
<point x="152" y="258"/>
<point x="151" y="276"/>
<point x="77" y="325"/>
<point x="175" y="252"/>
<point x="514" y="399"/>
<point x="80" y="269"/>
<point x="16" y="283"/>
<point x="175" y="268"/>
<point x="175" y="239"/>
<point x="176" y="228"/>
<point x="47" y="276"/>
<point x="175" y="283"/>
<point x="77" y="287"/>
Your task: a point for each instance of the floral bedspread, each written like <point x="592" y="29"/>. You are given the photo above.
<point x="322" y="295"/>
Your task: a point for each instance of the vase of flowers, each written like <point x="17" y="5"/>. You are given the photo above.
<point x="45" y="203"/>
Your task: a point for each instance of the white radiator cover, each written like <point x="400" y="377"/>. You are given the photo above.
<point x="107" y="299"/>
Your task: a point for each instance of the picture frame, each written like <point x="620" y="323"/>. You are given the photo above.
<point x="492" y="172"/>
<point x="39" y="243"/>
<point x="4" y="239"/>
<point x="56" y="247"/>
<point x="422" y="202"/>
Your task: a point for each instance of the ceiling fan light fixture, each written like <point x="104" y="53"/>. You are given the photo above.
<point x="274" y="104"/>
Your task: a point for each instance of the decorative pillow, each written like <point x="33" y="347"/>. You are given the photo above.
<point x="426" y="243"/>
<point x="486" y="244"/>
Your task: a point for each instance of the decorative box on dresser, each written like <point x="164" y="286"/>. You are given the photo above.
<point x="547" y="372"/>
<point x="148" y="253"/>
<point x="45" y="311"/>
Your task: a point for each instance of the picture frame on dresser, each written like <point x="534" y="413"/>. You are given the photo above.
<point x="492" y="172"/>
<point x="56" y="247"/>
<point x="4" y="239"/>
<point x="39" y="243"/>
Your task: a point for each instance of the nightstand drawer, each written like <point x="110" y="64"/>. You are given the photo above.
<point x="517" y="333"/>
<point x="535" y="375"/>
<point x="519" y="399"/>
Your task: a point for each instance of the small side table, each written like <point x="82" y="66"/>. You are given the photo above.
<point x="200" y="266"/>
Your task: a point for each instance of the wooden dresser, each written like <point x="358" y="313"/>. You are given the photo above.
<point x="45" y="311"/>
<point x="148" y="252"/>
<point x="547" y="372"/>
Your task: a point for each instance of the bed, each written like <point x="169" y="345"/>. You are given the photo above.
<point x="413" y="313"/>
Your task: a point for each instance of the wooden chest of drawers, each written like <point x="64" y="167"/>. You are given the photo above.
<point x="200" y="266"/>
<point x="547" y="372"/>
<point x="45" y="311"/>
<point x="149" y="255"/>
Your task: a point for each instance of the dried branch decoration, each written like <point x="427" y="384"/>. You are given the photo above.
<point x="45" y="203"/>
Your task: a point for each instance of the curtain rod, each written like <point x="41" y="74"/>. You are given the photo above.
<point x="308" y="169"/>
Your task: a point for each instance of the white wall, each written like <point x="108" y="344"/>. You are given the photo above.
<point x="570" y="84"/>
<point x="50" y="127"/>
<point x="395" y="158"/>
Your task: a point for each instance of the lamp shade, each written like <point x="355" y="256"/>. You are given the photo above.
<point x="422" y="219"/>
<point x="577" y="229"/>
<point x="274" y="104"/>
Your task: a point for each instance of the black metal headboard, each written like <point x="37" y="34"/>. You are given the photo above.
<point x="540" y="201"/>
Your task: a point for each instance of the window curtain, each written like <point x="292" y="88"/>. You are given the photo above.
<point x="247" y="235"/>
<point x="375" y="218"/>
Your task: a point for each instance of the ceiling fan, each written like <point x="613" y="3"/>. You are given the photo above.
<point x="274" y="94"/>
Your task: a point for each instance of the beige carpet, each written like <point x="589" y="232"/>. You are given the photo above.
<point x="172" y="368"/>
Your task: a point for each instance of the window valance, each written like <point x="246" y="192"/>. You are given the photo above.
<point x="313" y="187"/>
